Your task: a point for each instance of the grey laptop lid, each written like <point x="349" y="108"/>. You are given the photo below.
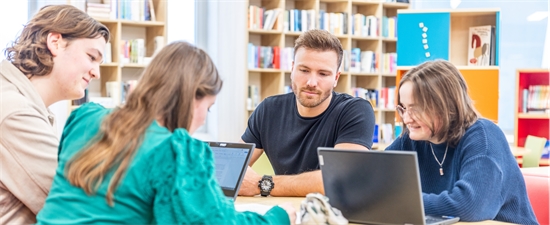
<point x="376" y="187"/>
<point x="231" y="163"/>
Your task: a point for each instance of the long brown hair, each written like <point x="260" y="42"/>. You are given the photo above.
<point x="442" y="94"/>
<point x="30" y="53"/>
<point x="177" y="75"/>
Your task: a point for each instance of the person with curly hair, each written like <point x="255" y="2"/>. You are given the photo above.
<point x="56" y="56"/>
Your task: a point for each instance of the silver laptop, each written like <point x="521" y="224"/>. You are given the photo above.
<point x="376" y="187"/>
<point x="231" y="163"/>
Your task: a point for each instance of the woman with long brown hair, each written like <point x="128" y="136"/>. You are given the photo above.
<point x="138" y="164"/>
<point x="466" y="166"/>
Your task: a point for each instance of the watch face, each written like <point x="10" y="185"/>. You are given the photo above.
<point x="265" y="185"/>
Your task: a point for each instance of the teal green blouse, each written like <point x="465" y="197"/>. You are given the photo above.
<point x="170" y="181"/>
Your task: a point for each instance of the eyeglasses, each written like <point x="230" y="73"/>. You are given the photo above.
<point x="410" y="110"/>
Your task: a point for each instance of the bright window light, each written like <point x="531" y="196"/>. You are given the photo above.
<point x="537" y="16"/>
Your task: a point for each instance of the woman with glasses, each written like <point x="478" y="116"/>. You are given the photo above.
<point x="466" y="166"/>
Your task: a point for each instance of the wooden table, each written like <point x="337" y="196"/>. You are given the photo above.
<point x="297" y="200"/>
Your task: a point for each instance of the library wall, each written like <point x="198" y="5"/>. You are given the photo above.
<point x="521" y="45"/>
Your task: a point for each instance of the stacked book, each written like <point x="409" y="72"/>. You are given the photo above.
<point x="99" y="10"/>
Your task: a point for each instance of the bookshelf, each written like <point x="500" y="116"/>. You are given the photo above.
<point x="372" y="37"/>
<point x="447" y="39"/>
<point x="530" y="116"/>
<point x="119" y="69"/>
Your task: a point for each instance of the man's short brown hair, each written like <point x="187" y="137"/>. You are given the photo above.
<point x="30" y="53"/>
<point x="320" y="40"/>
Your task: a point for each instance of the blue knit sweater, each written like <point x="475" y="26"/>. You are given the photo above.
<point x="481" y="180"/>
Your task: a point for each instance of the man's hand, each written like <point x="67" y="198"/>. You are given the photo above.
<point x="249" y="186"/>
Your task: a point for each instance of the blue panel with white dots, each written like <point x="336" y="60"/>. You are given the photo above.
<point x="422" y="37"/>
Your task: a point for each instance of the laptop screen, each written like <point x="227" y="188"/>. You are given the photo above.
<point x="231" y="163"/>
<point x="375" y="187"/>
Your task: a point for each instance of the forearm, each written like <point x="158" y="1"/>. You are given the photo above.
<point x="298" y="185"/>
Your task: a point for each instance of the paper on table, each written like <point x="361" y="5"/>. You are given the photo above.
<point x="253" y="207"/>
<point x="261" y="209"/>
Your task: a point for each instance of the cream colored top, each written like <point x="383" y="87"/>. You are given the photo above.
<point x="28" y="148"/>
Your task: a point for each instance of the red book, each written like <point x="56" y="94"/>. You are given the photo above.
<point x="276" y="57"/>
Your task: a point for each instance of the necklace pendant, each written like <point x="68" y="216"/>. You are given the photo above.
<point x="441" y="171"/>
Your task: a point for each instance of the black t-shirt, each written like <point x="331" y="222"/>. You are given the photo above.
<point x="290" y="140"/>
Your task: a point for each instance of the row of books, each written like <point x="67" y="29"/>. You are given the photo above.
<point x="383" y="98"/>
<point x="389" y="27"/>
<point x="272" y="57"/>
<point x="370" y="62"/>
<point x="335" y="23"/>
<point x="387" y="133"/>
<point x="365" y="26"/>
<point x="363" y="61"/>
<point x="389" y="63"/>
<point x="253" y="99"/>
<point x="296" y="20"/>
<point x="260" y="18"/>
<point x="116" y="93"/>
<point x="132" y="51"/>
<point x="137" y="10"/>
<point x="536" y="99"/>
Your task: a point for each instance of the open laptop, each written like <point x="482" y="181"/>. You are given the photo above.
<point x="376" y="187"/>
<point x="231" y="163"/>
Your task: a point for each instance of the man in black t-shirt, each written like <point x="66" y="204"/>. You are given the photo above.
<point x="290" y="127"/>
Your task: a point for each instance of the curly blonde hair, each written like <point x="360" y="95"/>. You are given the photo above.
<point x="30" y="53"/>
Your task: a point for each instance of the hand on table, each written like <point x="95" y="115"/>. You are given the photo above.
<point x="249" y="186"/>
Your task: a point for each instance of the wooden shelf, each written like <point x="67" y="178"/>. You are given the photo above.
<point x="264" y="70"/>
<point x="396" y="5"/>
<point x="290" y="33"/>
<point x="533" y="116"/>
<point x="366" y="38"/>
<point x="106" y="21"/>
<point x="270" y="82"/>
<point x="364" y="74"/>
<point x="389" y="39"/>
<point x="251" y="31"/>
<point x="365" y="2"/>
<point x="142" y="23"/>
<point x="123" y="30"/>
<point x="133" y="65"/>
<point x="333" y="1"/>
<point x="109" y="65"/>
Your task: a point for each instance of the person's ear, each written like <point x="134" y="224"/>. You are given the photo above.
<point x="53" y="41"/>
<point x="337" y="77"/>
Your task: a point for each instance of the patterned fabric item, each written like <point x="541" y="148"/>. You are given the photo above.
<point x="315" y="209"/>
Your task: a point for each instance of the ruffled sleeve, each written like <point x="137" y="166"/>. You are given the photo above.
<point x="186" y="191"/>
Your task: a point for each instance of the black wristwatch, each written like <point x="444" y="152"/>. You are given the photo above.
<point x="266" y="185"/>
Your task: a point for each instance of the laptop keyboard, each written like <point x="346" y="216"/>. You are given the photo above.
<point x="438" y="220"/>
<point x="430" y="220"/>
